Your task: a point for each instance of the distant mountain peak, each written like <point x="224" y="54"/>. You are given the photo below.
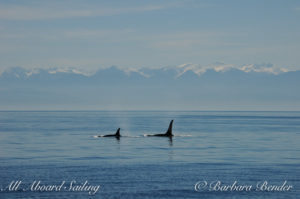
<point x="187" y="86"/>
<point x="187" y="69"/>
<point x="222" y="67"/>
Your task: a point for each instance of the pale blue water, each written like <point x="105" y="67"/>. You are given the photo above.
<point x="245" y="146"/>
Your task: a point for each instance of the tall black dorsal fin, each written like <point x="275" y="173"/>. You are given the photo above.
<point x="118" y="132"/>
<point x="169" y="131"/>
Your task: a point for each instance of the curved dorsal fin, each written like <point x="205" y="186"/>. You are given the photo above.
<point x="169" y="131"/>
<point x="118" y="132"/>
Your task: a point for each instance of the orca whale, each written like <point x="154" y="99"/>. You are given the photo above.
<point x="117" y="134"/>
<point x="168" y="133"/>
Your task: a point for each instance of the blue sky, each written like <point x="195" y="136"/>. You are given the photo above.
<point x="93" y="34"/>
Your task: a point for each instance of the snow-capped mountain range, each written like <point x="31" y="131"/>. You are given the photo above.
<point x="184" y="87"/>
<point x="179" y="70"/>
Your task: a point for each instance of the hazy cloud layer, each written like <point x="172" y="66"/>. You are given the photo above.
<point x="16" y="12"/>
<point x="92" y="34"/>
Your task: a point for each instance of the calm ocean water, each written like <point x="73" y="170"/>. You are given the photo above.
<point x="247" y="147"/>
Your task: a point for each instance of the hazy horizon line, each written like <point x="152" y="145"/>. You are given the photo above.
<point x="146" y="110"/>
